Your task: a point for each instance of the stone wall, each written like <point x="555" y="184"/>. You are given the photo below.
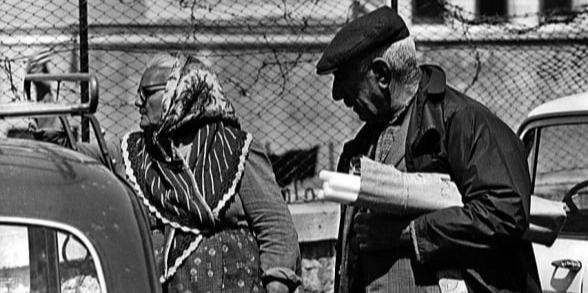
<point x="318" y="266"/>
<point x="317" y="225"/>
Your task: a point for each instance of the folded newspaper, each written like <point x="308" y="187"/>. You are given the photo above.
<point x="384" y="188"/>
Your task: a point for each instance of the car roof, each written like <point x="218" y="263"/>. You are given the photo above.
<point x="568" y="109"/>
<point x="46" y="183"/>
<point x="567" y="104"/>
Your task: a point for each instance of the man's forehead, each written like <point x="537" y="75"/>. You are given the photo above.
<point x="155" y="75"/>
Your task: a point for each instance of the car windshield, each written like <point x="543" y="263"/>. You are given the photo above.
<point x="562" y="168"/>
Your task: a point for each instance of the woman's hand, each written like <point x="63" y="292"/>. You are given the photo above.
<point x="276" y="287"/>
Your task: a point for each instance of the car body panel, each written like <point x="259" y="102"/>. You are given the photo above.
<point x="554" y="279"/>
<point x="568" y="118"/>
<point x="51" y="186"/>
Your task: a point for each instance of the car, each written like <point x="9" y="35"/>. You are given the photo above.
<point x="67" y="223"/>
<point x="556" y="137"/>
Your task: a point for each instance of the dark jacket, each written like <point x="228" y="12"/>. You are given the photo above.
<point x="453" y="134"/>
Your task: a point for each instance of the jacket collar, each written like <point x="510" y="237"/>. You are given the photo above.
<point x="426" y="128"/>
<point x="433" y="82"/>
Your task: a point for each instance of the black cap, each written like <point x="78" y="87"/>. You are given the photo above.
<point x="379" y="27"/>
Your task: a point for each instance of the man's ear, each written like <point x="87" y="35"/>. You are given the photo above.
<point x="382" y="71"/>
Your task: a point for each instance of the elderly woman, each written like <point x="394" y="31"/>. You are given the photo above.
<point x="207" y="185"/>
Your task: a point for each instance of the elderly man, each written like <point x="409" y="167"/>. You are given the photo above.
<point x="417" y="123"/>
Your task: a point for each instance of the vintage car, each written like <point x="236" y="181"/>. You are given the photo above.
<point x="556" y="136"/>
<point x="67" y="223"/>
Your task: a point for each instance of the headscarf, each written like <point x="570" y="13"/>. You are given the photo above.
<point x="189" y="194"/>
<point x="192" y="93"/>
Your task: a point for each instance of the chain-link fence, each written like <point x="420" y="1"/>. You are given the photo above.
<point x="265" y="53"/>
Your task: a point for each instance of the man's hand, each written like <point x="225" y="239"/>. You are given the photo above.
<point x="378" y="231"/>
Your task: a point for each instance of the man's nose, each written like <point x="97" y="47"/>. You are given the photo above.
<point x="138" y="102"/>
<point x="347" y="102"/>
<point x="340" y="95"/>
<point x="337" y="93"/>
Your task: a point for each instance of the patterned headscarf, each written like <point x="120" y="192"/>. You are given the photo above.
<point x="189" y="194"/>
<point x="192" y="92"/>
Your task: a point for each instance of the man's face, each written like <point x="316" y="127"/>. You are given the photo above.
<point x="150" y="96"/>
<point x="361" y="92"/>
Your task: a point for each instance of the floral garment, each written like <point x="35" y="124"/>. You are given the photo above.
<point x="227" y="260"/>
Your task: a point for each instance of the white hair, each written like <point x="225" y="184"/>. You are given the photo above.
<point x="161" y="60"/>
<point x="401" y="56"/>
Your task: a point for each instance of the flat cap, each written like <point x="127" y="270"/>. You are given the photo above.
<point x="379" y="27"/>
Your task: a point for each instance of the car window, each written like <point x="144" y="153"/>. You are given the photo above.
<point x="562" y="170"/>
<point x="38" y="259"/>
<point x="562" y="160"/>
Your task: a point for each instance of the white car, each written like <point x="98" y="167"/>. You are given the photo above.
<point x="556" y="136"/>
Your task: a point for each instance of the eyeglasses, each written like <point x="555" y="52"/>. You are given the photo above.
<point x="147" y="91"/>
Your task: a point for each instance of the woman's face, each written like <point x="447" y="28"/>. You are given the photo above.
<point x="150" y="97"/>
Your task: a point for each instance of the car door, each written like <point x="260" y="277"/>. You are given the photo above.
<point x="558" y="161"/>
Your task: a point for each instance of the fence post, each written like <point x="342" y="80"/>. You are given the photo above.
<point x="84" y="62"/>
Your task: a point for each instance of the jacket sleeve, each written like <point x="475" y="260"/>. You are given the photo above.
<point x="271" y="220"/>
<point x="488" y="163"/>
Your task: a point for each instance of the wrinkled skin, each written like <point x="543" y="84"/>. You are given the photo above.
<point x="151" y="108"/>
